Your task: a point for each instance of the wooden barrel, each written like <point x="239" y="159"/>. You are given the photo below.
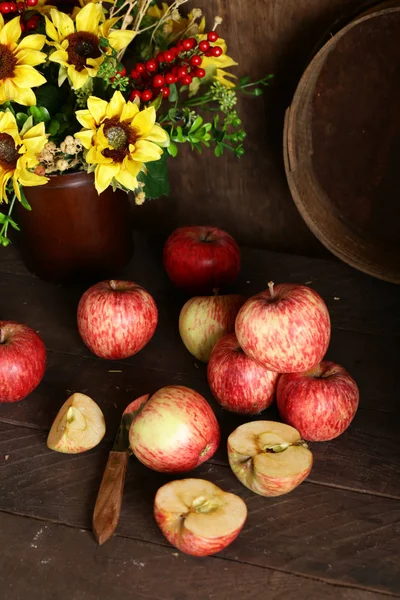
<point x="342" y="144"/>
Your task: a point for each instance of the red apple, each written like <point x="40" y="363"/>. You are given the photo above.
<point x="285" y="328"/>
<point x="22" y="361"/>
<point x="197" y="517"/>
<point x="116" y="319"/>
<point x="269" y="458"/>
<point x="238" y="382"/>
<point x="206" y="319"/>
<point x="200" y="259"/>
<point x="176" y="430"/>
<point x="320" y="403"/>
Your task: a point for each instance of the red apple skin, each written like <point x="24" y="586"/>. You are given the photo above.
<point x="175" y="431"/>
<point x="320" y="403"/>
<point x="116" y="319"/>
<point x="288" y="332"/>
<point x="199" y="259"/>
<point x="22" y="361"/>
<point x="189" y="543"/>
<point x="238" y="382"/>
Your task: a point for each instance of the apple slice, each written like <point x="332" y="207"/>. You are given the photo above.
<point x="78" y="426"/>
<point x="197" y="517"/>
<point x="269" y="458"/>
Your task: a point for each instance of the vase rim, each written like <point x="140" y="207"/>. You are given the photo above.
<point x="69" y="179"/>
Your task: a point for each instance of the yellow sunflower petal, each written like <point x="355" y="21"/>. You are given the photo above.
<point x="4" y="178"/>
<point x="103" y="176"/>
<point x="126" y="179"/>
<point x="35" y="139"/>
<point x="158" y="135"/>
<point x="17" y="189"/>
<point x="133" y="167"/>
<point x="85" y="137"/>
<point x="78" y="78"/>
<point x="107" y="25"/>
<point x="60" y="57"/>
<point x="115" y="106"/>
<point x="30" y="57"/>
<point x="26" y="76"/>
<point x="146" y="151"/>
<point x="29" y="179"/>
<point x="11" y="32"/>
<point x="129" y="111"/>
<point x="88" y="18"/>
<point x="62" y="22"/>
<point x="97" y="108"/>
<point x="119" y="40"/>
<point x="24" y="96"/>
<point x="8" y="122"/>
<point x="36" y="41"/>
<point x="85" y="119"/>
<point x="51" y="31"/>
<point x="144" y="121"/>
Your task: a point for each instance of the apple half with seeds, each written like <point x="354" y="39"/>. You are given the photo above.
<point x="78" y="426"/>
<point x="197" y="517"/>
<point x="269" y="458"/>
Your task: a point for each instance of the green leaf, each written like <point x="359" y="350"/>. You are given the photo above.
<point x="172" y="149"/>
<point x="173" y="97"/>
<point x="50" y="97"/>
<point x="27" y="125"/>
<point x="196" y="125"/>
<point x="21" y="118"/>
<point x="24" y="201"/>
<point x="53" y="127"/>
<point x="219" y="150"/>
<point x="157" y="102"/>
<point x="155" y="180"/>
<point x="13" y="224"/>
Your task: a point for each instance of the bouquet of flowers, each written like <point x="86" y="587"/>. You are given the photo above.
<point x="111" y="88"/>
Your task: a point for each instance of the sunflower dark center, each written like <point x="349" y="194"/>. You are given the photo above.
<point x="8" y="152"/>
<point x="7" y="62"/>
<point x="119" y="135"/>
<point x="81" y="46"/>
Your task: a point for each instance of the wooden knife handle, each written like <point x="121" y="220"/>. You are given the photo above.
<point x="109" y="499"/>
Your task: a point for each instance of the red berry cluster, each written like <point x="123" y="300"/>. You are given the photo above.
<point x="12" y="8"/>
<point x="178" y="64"/>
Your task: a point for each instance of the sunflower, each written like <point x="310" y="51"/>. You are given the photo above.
<point x="215" y="66"/>
<point x="19" y="154"/>
<point x="119" y="138"/>
<point x="77" y="44"/>
<point x="17" y="75"/>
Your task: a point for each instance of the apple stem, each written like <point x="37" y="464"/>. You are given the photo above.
<point x="216" y="291"/>
<point x="113" y="285"/>
<point x="271" y="288"/>
<point x="2" y="336"/>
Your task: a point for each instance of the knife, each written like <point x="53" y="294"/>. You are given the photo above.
<point x="109" y="498"/>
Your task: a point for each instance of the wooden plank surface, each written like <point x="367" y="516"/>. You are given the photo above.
<point x="64" y="559"/>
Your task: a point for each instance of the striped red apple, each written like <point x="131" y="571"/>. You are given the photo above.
<point x="204" y="320"/>
<point x="239" y="383"/>
<point x="116" y="319"/>
<point x="286" y="328"/>
<point x="197" y="517"/>
<point x="176" y="430"/>
<point x="320" y="403"/>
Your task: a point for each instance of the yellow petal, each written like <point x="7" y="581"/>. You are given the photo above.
<point x="127" y="179"/>
<point x="7" y="122"/>
<point x="26" y="76"/>
<point x="62" y="22"/>
<point x="88" y="18"/>
<point x="158" y="135"/>
<point x="130" y="165"/>
<point x="29" y="179"/>
<point x="36" y="41"/>
<point x="11" y="32"/>
<point x="60" y="57"/>
<point x="115" y="106"/>
<point x="119" y="40"/>
<point x="144" y="121"/>
<point x="17" y="189"/>
<point x="30" y="57"/>
<point x="129" y="111"/>
<point x="4" y="178"/>
<point x="103" y="176"/>
<point x="35" y="139"/>
<point x="78" y="78"/>
<point x="24" y="96"/>
<point x="146" y="151"/>
<point x="107" y="25"/>
<point x="97" y="108"/>
<point x="85" y="119"/>
<point x="51" y="31"/>
<point x="85" y="137"/>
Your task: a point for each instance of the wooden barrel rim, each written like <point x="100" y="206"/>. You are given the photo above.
<point x="309" y="197"/>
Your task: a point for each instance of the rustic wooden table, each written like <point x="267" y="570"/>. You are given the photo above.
<point x="334" y="537"/>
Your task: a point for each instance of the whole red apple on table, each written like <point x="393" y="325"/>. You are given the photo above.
<point x="286" y="328"/>
<point x="22" y="361"/>
<point x="206" y="319"/>
<point x="199" y="259"/>
<point x="176" y="430"/>
<point x="320" y="403"/>
<point x="116" y="319"/>
<point x="197" y="517"/>
<point x="239" y="383"/>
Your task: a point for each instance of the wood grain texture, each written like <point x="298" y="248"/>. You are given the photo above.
<point x="250" y="197"/>
<point x="64" y="558"/>
<point x="321" y="532"/>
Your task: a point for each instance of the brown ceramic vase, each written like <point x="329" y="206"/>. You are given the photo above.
<point x="72" y="233"/>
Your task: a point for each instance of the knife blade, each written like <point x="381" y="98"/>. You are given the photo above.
<point x="109" y="498"/>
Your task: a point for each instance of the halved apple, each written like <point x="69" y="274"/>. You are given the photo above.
<point x="269" y="458"/>
<point x="197" y="517"/>
<point x="78" y="426"/>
